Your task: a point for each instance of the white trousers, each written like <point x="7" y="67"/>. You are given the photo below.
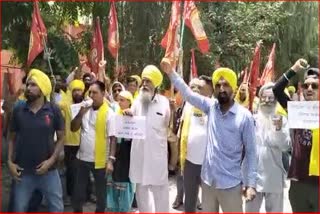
<point x="151" y="198"/>
<point x="273" y="203"/>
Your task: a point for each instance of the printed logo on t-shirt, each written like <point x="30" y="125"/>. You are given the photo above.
<point x="47" y="120"/>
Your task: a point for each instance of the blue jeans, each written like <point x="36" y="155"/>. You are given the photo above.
<point x="49" y="185"/>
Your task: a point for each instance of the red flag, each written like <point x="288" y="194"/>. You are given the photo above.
<point x="254" y="74"/>
<point x="113" y="32"/>
<point x="97" y="50"/>
<point x="268" y="72"/>
<point x="171" y="39"/>
<point x="192" y="20"/>
<point x="193" y="66"/>
<point x="38" y="34"/>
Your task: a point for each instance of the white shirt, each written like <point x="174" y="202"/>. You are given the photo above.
<point x="270" y="145"/>
<point x="197" y="136"/>
<point x="149" y="157"/>
<point x="88" y="134"/>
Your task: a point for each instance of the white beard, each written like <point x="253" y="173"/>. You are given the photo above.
<point x="267" y="111"/>
<point x="145" y="96"/>
<point x="264" y="122"/>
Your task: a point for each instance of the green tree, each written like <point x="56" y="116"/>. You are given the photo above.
<point x="233" y="28"/>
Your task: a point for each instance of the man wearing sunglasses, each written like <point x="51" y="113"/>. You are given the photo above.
<point x="303" y="193"/>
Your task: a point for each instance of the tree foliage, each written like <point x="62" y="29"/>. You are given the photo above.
<point x="233" y="28"/>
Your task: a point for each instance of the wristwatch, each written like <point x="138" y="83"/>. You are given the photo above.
<point x="112" y="158"/>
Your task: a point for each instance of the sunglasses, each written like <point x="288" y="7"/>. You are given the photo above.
<point x="313" y="85"/>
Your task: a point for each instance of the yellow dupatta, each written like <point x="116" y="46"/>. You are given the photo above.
<point x="245" y="103"/>
<point x="185" y="134"/>
<point x="71" y="138"/>
<point x="101" y="140"/>
<point x="314" y="155"/>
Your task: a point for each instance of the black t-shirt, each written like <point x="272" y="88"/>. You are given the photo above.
<point x="35" y="134"/>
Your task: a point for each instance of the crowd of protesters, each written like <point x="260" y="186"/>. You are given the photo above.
<point x="237" y="157"/>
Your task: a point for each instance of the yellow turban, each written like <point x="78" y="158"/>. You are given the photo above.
<point x="152" y="73"/>
<point x="42" y="80"/>
<point x="226" y="73"/>
<point x="127" y="95"/>
<point x="76" y="84"/>
<point x="292" y="89"/>
<point x="137" y="78"/>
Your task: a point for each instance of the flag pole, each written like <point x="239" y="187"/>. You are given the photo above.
<point x="117" y="65"/>
<point x="180" y="64"/>
<point x="180" y="58"/>
<point x="47" y="56"/>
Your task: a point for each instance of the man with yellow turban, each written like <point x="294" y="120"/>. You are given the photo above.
<point x="72" y="139"/>
<point x="149" y="160"/>
<point x="34" y="124"/>
<point x="304" y="167"/>
<point x="231" y="133"/>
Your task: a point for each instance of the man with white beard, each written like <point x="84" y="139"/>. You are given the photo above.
<point x="149" y="157"/>
<point x="272" y="137"/>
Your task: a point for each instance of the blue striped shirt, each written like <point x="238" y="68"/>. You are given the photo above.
<point x="228" y="135"/>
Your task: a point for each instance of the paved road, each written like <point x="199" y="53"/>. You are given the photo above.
<point x="89" y="207"/>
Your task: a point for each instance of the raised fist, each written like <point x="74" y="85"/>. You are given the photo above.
<point x="300" y="65"/>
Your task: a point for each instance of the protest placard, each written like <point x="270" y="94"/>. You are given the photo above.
<point x="130" y="127"/>
<point x="303" y="114"/>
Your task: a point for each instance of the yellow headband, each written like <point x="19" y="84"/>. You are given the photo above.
<point x="127" y="95"/>
<point x="137" y="78"/>
<point x="152" y="73"/>
<point x="42" y="80"/>
<point x="76" y="84"/>
<point x="226" y="73"/>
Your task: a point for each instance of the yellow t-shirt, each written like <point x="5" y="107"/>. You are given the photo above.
<point x="71" y="138"/>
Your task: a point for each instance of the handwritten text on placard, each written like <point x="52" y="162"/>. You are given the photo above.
<point x="130" y="127"/>
<point x="303" y="114"/>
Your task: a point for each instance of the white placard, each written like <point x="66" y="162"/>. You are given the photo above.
<point x="303" y="114"/>
<point x="75" y="108"/>
<point x="130" y="127"/>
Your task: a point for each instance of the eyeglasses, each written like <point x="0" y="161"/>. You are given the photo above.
<point x="313" y="85"/>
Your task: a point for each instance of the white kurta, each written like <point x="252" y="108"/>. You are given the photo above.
<point x="149" y="157"/>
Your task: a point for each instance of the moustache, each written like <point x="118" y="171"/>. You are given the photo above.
<point x="223" y="94"/>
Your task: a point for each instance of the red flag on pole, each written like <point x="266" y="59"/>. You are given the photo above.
<point x="38" y="34"/>
<point x="192" y="20"/>
<point x="193" y="66"/>
<point x="97" y="50"/>
<point x="113" y="32"/>
<point x="171" y="39"/>
<point x="268" y="72"/>
<point x="254" y="74"/>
